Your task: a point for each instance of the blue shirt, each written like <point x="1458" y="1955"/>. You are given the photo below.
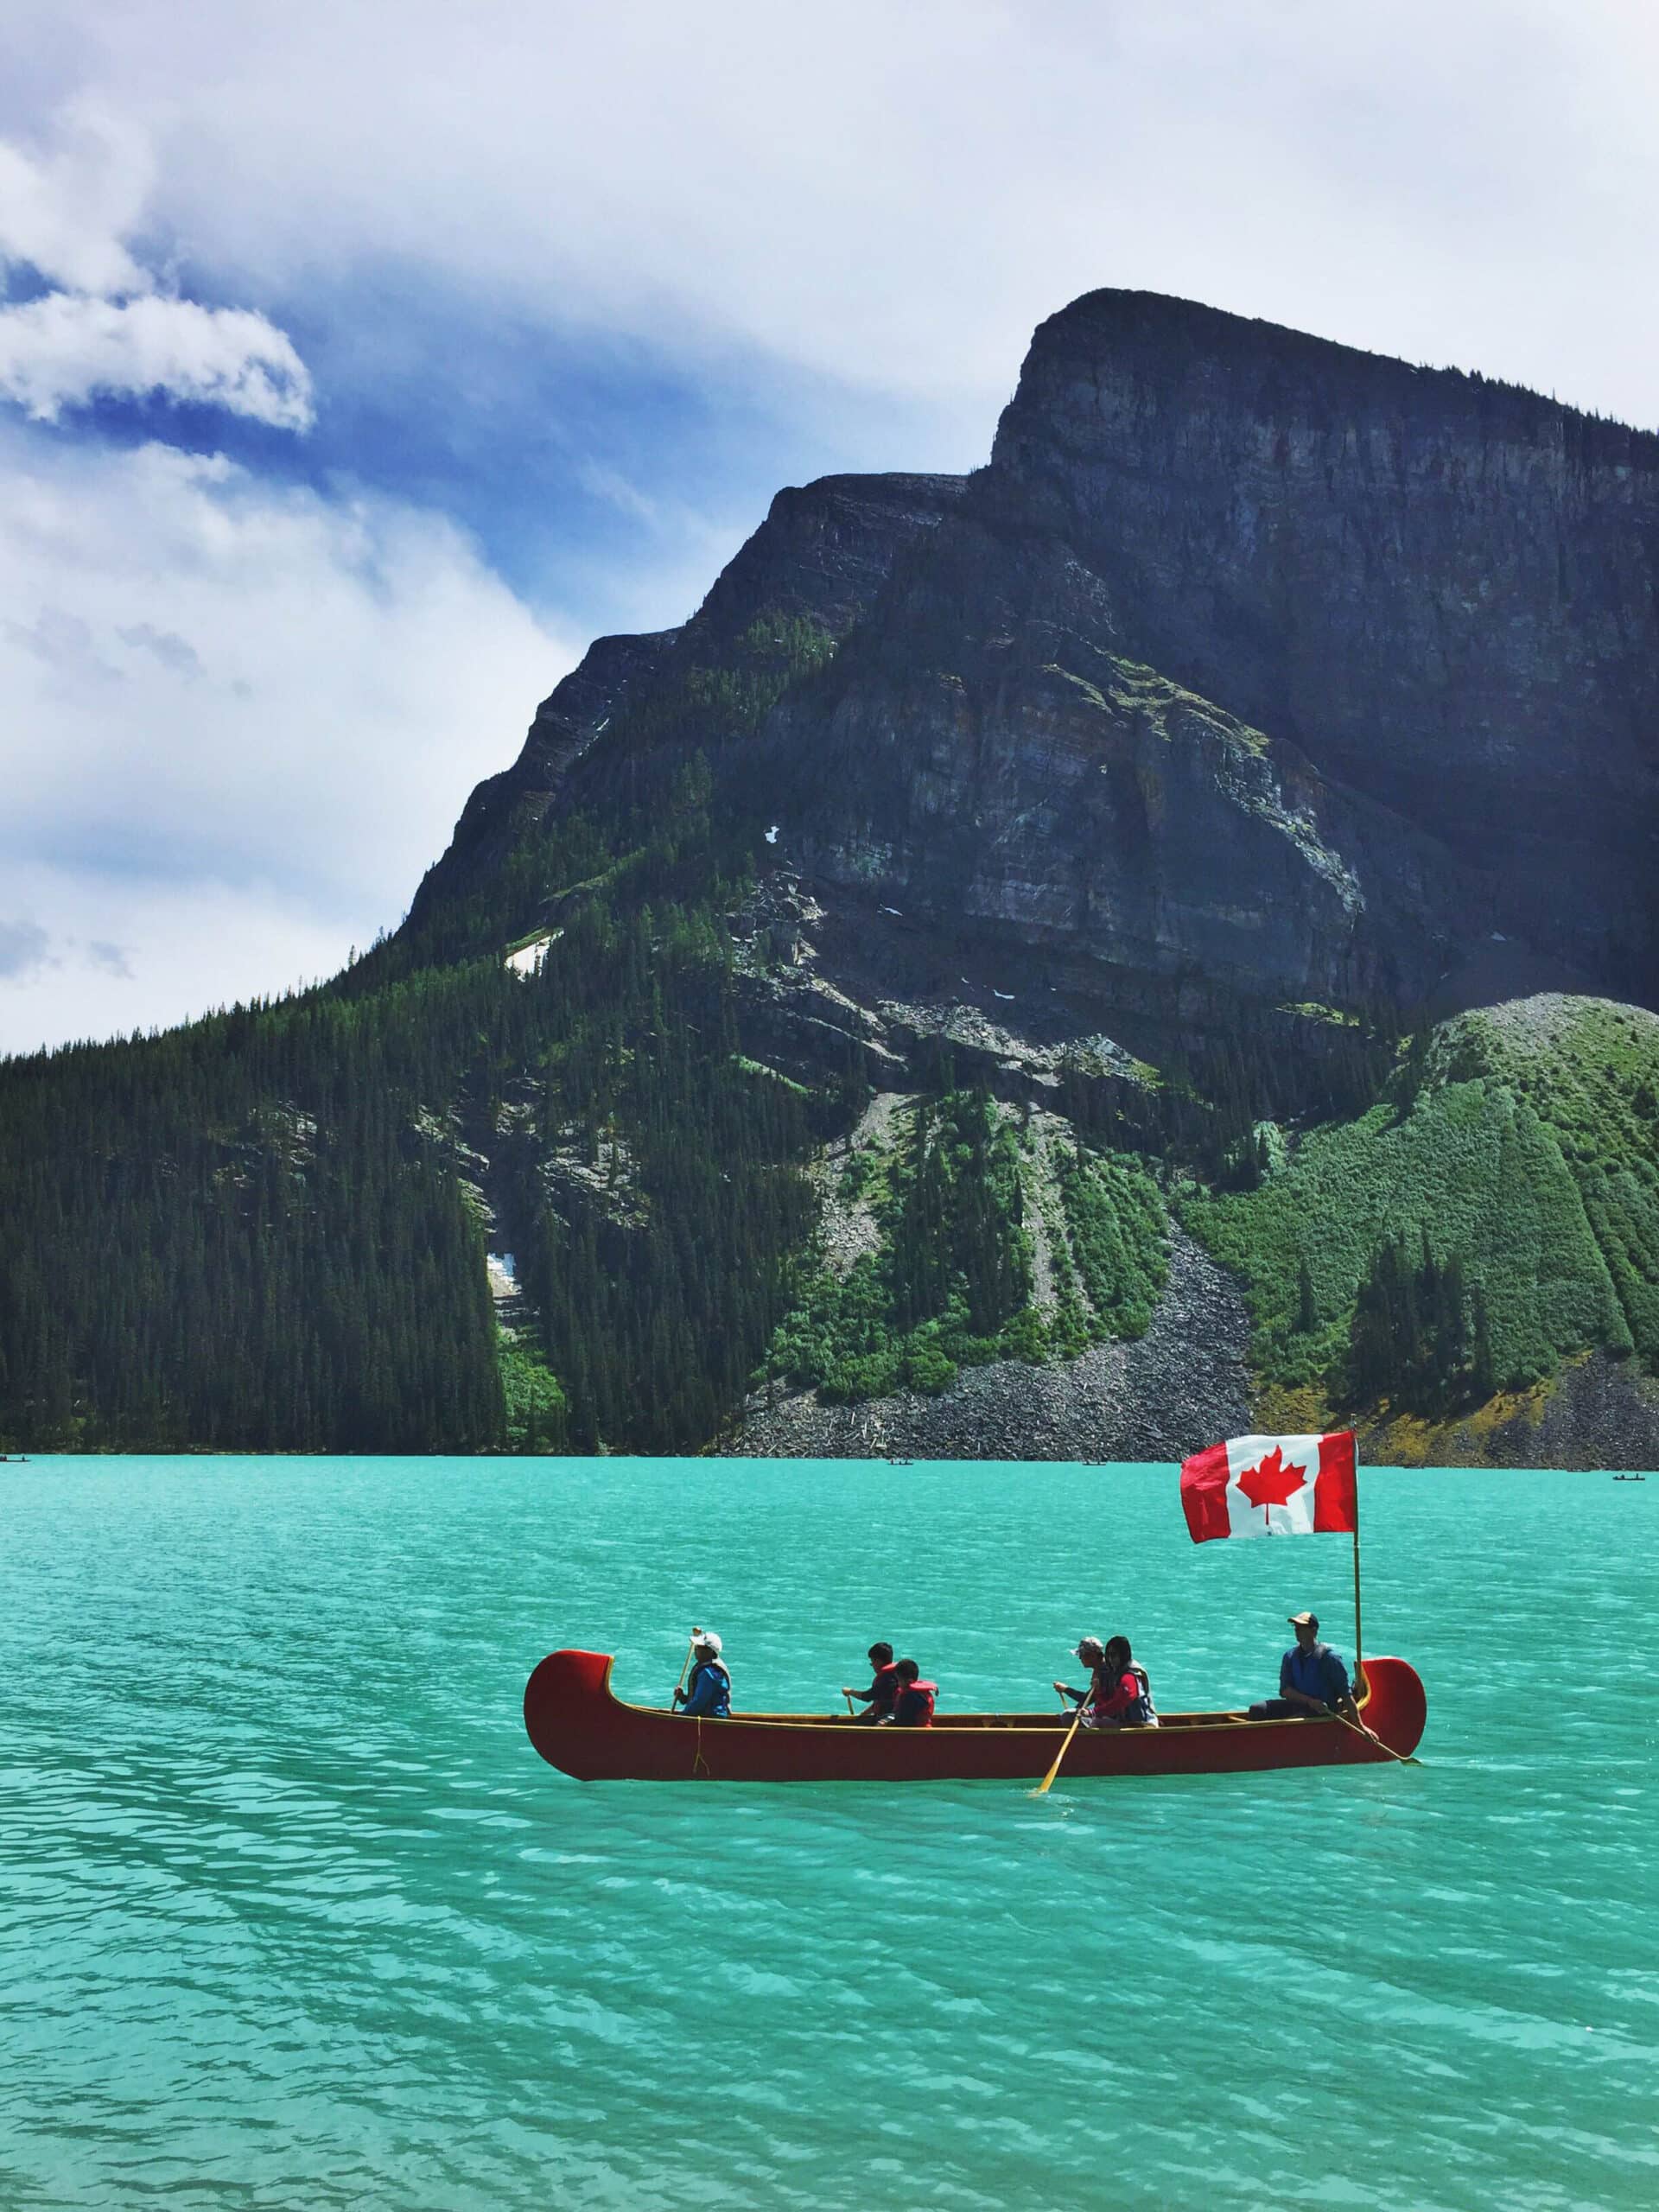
<point x="1316" y="1673"/>
<point x="709" y="1691"/>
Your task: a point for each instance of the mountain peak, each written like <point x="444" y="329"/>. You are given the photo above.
<point x="1177" y="348"/>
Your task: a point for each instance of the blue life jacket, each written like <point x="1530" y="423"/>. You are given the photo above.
<point x="1318" y="1672"/>
<point x="709" y="1693"/>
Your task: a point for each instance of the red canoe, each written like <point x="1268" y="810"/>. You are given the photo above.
<point x="577" y="1725"/>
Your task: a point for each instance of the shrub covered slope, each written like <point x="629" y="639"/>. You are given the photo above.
<point x="1517" y="1150"/>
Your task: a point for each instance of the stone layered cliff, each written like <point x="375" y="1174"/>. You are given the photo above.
<point x="1443" y="591"/>
<point x="1249" y="657"/>
<point x="819" y="558"/>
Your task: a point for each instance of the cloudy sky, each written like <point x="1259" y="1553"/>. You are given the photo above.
<point x="360" y="361"/>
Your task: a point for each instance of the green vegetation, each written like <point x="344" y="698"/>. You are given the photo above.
<point x="1511" y="1174"/>
<point x="1590" y="1070"/>
<point x="258" y="1231"/>
<point x="951" y="1282"/>
<point x="1421" y="1339"/>
<point x="233" y="1237"/>
<point x="1117" y="1231"/>
<point x="537" y="1411"/>
<point x="953" y="1267"/>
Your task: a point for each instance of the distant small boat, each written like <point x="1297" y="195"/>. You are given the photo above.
<point x="1630" y="1478"/>
<point x="579" y="1726"/>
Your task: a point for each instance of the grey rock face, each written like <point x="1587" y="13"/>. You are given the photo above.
<point x="1250" y="658"/>
<point x="986" y="747"/>
<point x="822" y="552"/>
<point x="1168" y="1393"/>
<point x="1443" y="591"/>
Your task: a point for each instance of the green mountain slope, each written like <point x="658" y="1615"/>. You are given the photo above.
<point x="267" y="1230"/>
<point x="1519" y="1148"/>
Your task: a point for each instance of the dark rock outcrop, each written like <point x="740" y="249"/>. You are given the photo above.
<point x="1249" y="657"/>
<point x="987" y="747"/>
<point x="1443" y="591"/>
<point x="822" y="552"/>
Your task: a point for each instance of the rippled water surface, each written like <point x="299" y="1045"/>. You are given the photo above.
<point x="292" y="1915"/>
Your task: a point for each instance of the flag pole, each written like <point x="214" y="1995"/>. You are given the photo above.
<point x="1360" y="1658"/>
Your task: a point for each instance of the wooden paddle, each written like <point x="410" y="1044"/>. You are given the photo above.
<point x="684" y="1665"/>
<point x="1042" y="1787"/>
<point x="851" y="1707"/>
<point x="1372" y="1737"/>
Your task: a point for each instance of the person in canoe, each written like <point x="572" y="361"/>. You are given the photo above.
<point x="913" y="1706"/>
<point x="708" y="1695"/>
<point x="1312" y="1678"/>
<point x="1119" y="1695"/>
<point x="1141" y="1712"/>
<point x="878" y="1699"/>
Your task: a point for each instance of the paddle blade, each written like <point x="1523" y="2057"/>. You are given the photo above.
<point x="1044" y="1786"/>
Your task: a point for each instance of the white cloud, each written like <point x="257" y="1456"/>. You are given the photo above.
<point x="65" y="212"/>
<point x="183" y="949"/>
<point x="66" y="215"/>
<point x="235" y="724"/>
<point x="63" y="350"/>
<point x="25" y="947"/>
<point x="895" y="196"/>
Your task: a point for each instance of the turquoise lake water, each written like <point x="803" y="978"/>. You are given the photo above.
<point x="292" y="1916"/>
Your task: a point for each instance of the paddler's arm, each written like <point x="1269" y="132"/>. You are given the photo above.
<point x="1078" y="1697"/>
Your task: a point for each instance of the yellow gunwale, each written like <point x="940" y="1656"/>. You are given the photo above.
<point x="1189" y="1726"/>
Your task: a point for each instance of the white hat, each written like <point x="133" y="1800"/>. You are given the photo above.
<point x="1089" y="1643"/>
<point x="706" y="1640"/>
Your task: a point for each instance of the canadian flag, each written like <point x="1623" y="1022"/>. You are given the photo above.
<point x="1271" y="1486"/>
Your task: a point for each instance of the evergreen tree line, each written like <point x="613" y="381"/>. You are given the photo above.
<point x="258" y="1231"/>
<point x="1420" y="1336"/>
<point x="1204" y="1111"/>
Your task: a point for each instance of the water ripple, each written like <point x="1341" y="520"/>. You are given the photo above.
<point x="293" y="1916"/>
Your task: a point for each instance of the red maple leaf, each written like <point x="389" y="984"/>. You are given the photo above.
<point x="1272" y="1482"/>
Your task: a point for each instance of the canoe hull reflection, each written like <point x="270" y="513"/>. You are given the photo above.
<point x="579" y="1726"/>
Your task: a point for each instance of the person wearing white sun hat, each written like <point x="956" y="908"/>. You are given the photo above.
<point x="708" y="1695"/>
<point x="1117" y="1696"/>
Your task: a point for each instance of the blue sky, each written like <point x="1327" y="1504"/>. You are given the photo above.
<point x="359" y="364"/>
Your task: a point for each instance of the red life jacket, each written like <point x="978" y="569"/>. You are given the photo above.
<point x="915" y="1706"/>
<point x="886" y="1688"/>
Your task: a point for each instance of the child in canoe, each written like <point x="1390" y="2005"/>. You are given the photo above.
<point x="879" y="1700"/>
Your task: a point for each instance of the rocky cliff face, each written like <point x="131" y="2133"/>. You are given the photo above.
<point x="991" y="746"/>
<point x="1444" y="592"/>
<point x="820" y="557"/>
<point x="1249" y="657"/>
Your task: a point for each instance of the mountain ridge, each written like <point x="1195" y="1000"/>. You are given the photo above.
<point x="1129" y="815"/>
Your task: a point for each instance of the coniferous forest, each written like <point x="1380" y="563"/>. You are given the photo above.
<point x="262" y="1231"/>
